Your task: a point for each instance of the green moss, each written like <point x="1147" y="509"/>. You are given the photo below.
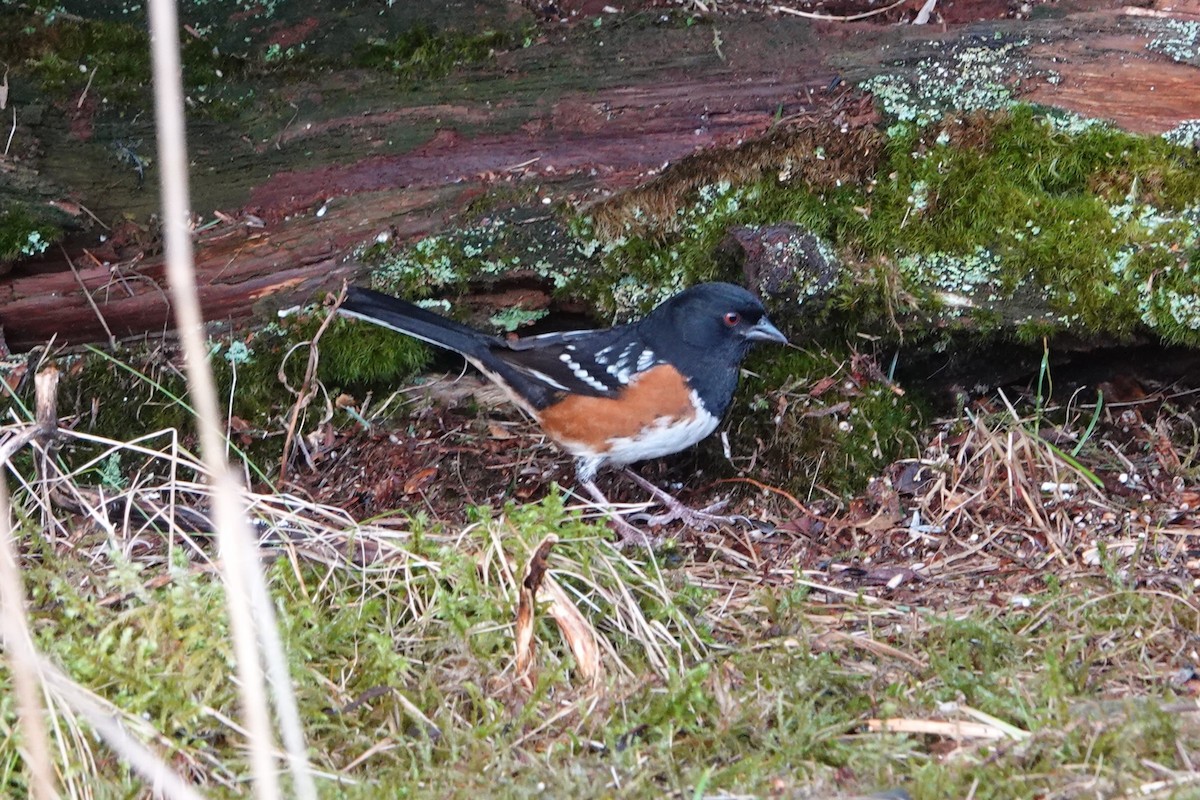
<point x="64" y="51"/>
<point x="645" y="269"/>
<point x="356" y="355"/>
<point x="1072" y="226"/>
<point x="421" y="53"/>
<point x="838" y="440"/>
<point x="507" y="243"/>
<point x="118" y="404"/>
<point x="23" y="234"/>
<point x="997" y="221"/>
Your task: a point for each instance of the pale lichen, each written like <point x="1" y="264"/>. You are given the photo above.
<point x="959" y="283"/>
<point x="513" y="319"/>
<point x="1185" y="134"/>
<point x="961" y="79"/>
<point x="1177" y="39"/>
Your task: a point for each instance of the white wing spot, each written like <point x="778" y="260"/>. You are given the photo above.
<point x="621" y="369"/>
<point x="645" y="360"/>
<point x="582" y="374"/>
<point x="587" y="378"/>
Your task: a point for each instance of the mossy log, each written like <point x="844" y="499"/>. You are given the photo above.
<point x="342" y="156"/>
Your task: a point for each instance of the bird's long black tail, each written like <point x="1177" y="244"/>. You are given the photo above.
<point x="402" y="316"/>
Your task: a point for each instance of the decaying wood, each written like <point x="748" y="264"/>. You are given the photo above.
<point x="272" y="249"/>
<point x="237" y="266"/>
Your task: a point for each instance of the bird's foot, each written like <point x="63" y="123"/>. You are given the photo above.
<point x="703" y="519"/>
<point x="628" y="535"/>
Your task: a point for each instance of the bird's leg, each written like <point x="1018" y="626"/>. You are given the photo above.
<point x="629" y="534"/>
<point x="702" y="519"/>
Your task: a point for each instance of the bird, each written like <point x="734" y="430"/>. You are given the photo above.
<point x="611" y="396"/>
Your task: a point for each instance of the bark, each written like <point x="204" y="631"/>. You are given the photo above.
<point x="562" y="121"/>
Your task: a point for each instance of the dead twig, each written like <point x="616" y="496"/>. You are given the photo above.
<point x="833" y="18"/>
<point x="776" y="490"/>
<point x="87" y="295"/>
<point x="531" y="582"/>
<point x="23" y="657"/>
<point x="83" y="95"/>
<point x="305" y="394"/>
<point x="11" y="132"/>
<point x="23" y="662"/>
<point x="925" y="12"/>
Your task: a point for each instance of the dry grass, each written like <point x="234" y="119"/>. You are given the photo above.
<point x="992" y="606"/>
<point x="163" y="517"/>
<point x="993" y="620"/>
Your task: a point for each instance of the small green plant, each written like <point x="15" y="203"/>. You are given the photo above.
<point x="1045" y="385"/>
<point x="110" y="473"/>
<point x="22" y="235"/>
<point x="421" y="53"/>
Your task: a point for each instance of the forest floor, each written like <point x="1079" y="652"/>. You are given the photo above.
<point x="1008" y="609"/>
<point x="1009" y="612"/>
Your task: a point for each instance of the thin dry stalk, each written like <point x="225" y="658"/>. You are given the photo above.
<point x="663" y="648"/>
<point x="87" y="293"/>
<point x="795" y="12"/>
<point x="169" y="495"/>
<point x="14" y="617"/>
<point x="101" y="717"/>
<point x="305" y="394"/>
<point x="23" y="661"/>
<point x="239" y="558"/>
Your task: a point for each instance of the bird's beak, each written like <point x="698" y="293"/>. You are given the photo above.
<point x="764" y="331"/>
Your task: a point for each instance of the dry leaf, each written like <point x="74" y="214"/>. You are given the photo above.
<point x="954" y="730"/>
<point x="822" y="386"/>
<point x="499" y="432"/>
<point x="420" y="479"/>
<point x="535" y="571"/>
<point x="578" y="633"/>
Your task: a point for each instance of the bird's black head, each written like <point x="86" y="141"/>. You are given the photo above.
<point x="705" y="332"/>
<point x="716" y="318"/>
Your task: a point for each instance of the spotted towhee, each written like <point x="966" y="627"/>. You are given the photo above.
<point x="614" y="396"/>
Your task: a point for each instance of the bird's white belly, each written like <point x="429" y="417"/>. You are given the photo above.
<point x="667" y="436"/>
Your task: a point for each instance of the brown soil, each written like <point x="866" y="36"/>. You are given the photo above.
<point x="455" y="454"/>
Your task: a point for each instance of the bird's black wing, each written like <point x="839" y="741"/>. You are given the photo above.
<point x="591" y="363"/>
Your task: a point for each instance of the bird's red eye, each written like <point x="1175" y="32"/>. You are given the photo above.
<point x="732" y="318"/>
